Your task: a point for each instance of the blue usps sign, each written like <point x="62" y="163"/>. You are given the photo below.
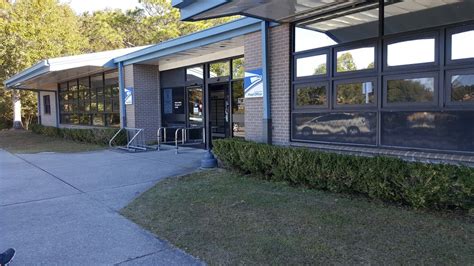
<point x="253" y="83"/>
<point x="128" y="94"/>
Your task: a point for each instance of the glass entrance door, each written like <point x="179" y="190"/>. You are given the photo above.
<point x="195" y="117"/>
<point x="219" y="110"/>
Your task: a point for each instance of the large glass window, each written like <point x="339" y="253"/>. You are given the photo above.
<point x="92" y="101"/>
<point x="411" y="52"/>
<point x="308" y="95"/>
<point x="390" y="73"/>
<point x="311" y="66"/>
<point x="355" y="93"/>
<point x="173" y="107"/>
<point x="411" y="90"/>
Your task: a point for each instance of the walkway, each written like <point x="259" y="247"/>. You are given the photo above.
<point x="63" y="208"/>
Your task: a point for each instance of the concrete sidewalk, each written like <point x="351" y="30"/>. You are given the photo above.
<point x="63" y="208"/>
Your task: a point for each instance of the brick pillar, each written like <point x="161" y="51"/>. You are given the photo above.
<point x="280" y="83"/>
<point x="253" y="106"/>
<point x="145" y="112"/>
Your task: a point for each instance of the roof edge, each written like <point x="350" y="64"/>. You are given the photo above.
<point x="238" y="25"/>
<point x="37" y="69"/>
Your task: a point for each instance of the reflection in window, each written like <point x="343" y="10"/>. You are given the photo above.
<point x="238" y="109"/>
<point x="318" y="33"/>
<point x="336" y="127"/>
<point x="461" y="46"/>
<point x="462" y="88"/>
<point x="411" y="52"/>
<point x="195" y="74"/>
<point x="219" y="69"/>
<point x="306" y="39"/>
<point x="195" y="106"/>
<point x="417" y="90"/>
<point x="311" y="95"/>
<point x="311" y="66"/>
<point x="356" y="59"/>
<point x="238" y="71"/>
<point x="448" y="130"/>
<point x="355" y="93"/>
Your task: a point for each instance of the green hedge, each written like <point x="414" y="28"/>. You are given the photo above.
<point x="436" y="186"/>
<point x="99" y="136"/>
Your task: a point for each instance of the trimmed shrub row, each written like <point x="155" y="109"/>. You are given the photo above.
<point x="435" y="186"/>
<point x="99" y="136"/>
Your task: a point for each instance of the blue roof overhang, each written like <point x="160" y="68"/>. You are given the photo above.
<point x="216" y="34"/>
<point x="191" y="8"/>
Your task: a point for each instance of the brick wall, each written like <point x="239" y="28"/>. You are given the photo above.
<point x="280" y="83"/>
<point x="145" y="112"/>
<point x="253" y="106"/>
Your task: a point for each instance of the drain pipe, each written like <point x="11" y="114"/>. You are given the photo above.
<point x="123" y="109"/>
<point x="267" y="115"/>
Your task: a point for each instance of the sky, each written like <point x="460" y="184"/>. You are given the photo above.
<point x="80" y="6"/>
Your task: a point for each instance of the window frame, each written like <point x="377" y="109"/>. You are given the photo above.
<point x="367" y="107"/>
<point x="194" y="82"/>
<point x="320" y="51"/>
<point x="433" y="103"/>
<point x="448" y="88"/>
<point x="431" y="34"/>
<point x="449" y="45"/>
<point x="311" y="107"/>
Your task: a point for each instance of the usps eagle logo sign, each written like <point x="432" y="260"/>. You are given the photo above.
<point x="128" y="96"/>
<point x="253" y="83"/>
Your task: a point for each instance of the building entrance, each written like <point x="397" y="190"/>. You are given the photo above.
<point x="219" y="110"/>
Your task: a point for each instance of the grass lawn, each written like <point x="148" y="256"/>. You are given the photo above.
<point x="223" y="217"/>
<point x="27" y="142"/>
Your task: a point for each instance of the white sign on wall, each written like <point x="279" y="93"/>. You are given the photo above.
<point x="253" y="83"/>
<point x="128" y="92"/>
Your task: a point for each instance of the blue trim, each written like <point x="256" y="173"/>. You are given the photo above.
<point x="265" y="65"/>
<point x="181" y="3"/>
<point x="222" y="32"/>
<point x="189" y="10"/>
<point x="123" y="118"/>
<point x="57" y="108"/>
<point x="36" y="70"/>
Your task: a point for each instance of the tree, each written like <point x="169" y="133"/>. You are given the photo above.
<point x="32" y="30"/>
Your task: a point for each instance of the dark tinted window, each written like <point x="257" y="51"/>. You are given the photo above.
<point x="238" y="109"/>
<point x="451" y="130"/>
<point x="413" y="90"/>
<point x="310" y="95"/>
<point x="336" y="127"/>
<point x="358" y="93"/>
<point x="47" y="104"/>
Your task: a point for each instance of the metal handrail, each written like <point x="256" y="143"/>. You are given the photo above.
<point x="113" y="138"/>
